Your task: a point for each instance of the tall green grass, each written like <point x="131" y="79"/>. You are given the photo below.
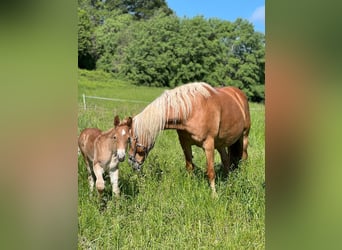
<point x="164" y="207"/>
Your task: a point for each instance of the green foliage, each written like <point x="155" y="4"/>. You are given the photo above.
<point x="149" y="59"/>
<point x="143" y="42"/>
<point x="164" y="207"/>
<point x="86" y="55"/>
<point x="111" y="38"/>
<point x="139" y="9"/>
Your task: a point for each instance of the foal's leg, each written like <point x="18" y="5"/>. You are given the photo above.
<point x="186" y="146"/>
<point x="100" y="184"/>
<point x="91" y="176"/>
<point x="209" y="149"/>
<point x="114" y="175"/>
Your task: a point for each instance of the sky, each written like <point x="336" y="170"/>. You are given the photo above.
<point x="252" y="10"/>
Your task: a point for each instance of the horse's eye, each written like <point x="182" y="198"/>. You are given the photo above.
<point x="114" y="137"/>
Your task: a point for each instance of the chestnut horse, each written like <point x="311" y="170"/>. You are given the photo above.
<point x="211" y="118"/>
<point x="102" y="151"/>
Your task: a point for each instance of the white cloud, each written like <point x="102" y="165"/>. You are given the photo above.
<point x="258" y="15"/>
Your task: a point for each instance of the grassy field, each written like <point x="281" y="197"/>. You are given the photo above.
<point x="164" y="207"/>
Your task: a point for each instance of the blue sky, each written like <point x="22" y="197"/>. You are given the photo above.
<point x="252" y="10"/>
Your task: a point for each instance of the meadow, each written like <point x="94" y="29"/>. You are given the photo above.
<point x="164" y="207"/>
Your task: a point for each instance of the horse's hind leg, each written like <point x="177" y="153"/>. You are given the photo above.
<point x="236" y="152"/>
<point x="245" y="144"/>
<point x="186" y="146"/>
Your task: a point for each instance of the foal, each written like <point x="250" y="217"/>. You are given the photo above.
<point x="102" y="152"/>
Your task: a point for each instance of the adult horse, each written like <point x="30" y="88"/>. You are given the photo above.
<point x="102" y="151"/>
<point x="211" y="118"/>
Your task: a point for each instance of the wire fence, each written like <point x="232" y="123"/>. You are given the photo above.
<point x="85" y="106"/>
<point x="108" y="99"/>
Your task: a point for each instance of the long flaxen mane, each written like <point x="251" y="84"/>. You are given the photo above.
<point x="152" y="119"/>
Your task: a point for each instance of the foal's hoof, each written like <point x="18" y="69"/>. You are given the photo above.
<point x="214" y="195"/>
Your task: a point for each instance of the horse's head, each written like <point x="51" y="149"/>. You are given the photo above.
<point x="137" y="152"/>
<point x="122" y="135"/>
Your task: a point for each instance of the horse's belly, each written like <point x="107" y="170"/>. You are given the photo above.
<point x="229" y="136"/>
<point x="225" y="141"/>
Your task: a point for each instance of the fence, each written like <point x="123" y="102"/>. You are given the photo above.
<point x="108" y="99"/>
<point x="124" y="100"/>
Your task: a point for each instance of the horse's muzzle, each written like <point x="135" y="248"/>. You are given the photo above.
<point x="135" y="165"/>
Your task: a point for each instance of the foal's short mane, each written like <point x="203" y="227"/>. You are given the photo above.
<point x="124" y="122"/>
<point x="112" y="130"/>
<point x="152" y="119"/>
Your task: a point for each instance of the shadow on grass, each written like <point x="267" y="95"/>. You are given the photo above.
<point x="129" y="186"/>
<point x="220" y="174"/>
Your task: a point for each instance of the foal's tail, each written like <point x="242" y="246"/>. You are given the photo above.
<point x="78" y="146"/>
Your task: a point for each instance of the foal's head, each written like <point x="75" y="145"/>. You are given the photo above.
<point x="122" y="133"/>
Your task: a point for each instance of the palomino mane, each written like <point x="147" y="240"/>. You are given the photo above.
<point x="152" y="119"/>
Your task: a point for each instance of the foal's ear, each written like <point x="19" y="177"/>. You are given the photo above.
<point x="129" y="121"/>
<point x="116" y="120"/>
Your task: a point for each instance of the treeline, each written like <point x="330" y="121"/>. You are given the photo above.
<point x="146" y="43"/>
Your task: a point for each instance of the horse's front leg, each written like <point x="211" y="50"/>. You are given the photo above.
<point x="209" y="149"/>
<point x="186" y="146"/>
<point x="114" y="175"/>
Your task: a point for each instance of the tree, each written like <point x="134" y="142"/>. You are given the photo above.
<point x="168" y="51"/>
<point x="141" y="10"/>
<point x="149" y="58"/>
<point x="111" y="39"/>
<point x="145" y="43"/>
<point x="86" y="53"/>
<point x="246" y="64"/>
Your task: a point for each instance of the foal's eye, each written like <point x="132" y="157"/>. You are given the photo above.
<point x="114" y="137"/>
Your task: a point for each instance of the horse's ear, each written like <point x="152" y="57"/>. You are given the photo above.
<point x="116" y="120"/>
<point x="129" y="121"/>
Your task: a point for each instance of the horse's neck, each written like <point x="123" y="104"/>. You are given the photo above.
<point x="174" y="122"/>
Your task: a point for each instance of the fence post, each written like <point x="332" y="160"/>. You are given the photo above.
<point x="84" y="102"/>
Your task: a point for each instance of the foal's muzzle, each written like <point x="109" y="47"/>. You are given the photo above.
<point x="121" y="155"/>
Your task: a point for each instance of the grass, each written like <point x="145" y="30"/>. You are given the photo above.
<point x="165" y="207"/>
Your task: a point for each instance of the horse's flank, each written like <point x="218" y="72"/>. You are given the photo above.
<point x="86" y="142"/>
<point x="104" y="147"/>
<point x="170" y="107"/>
